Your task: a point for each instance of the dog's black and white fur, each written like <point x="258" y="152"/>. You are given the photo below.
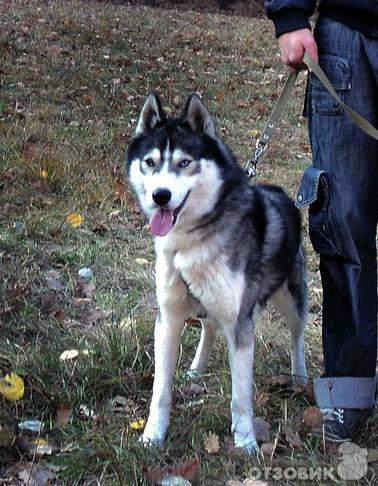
<point x="223" y="247"/>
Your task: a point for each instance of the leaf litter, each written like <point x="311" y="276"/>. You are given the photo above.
<point x="187" y="471"/>
<point x="65" y="26"/>
<point x="30" y="474"/>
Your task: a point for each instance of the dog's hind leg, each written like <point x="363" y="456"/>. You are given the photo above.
<point x="201" y="358"/>
<point x="291" y="301"/>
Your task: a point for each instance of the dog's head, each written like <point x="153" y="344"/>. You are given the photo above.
<point x="175" y="165"/>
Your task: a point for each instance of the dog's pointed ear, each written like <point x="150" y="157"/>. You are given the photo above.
<point x="151" y="115"/>
<point x="198" y="117"/>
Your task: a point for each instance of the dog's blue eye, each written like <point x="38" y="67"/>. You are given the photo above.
<point x="150" y="163"/>
<point x="184" y="163"/>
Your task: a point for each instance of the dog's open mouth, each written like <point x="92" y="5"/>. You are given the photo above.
<point x="163" y="220"/>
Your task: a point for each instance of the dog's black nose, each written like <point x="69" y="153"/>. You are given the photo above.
<point x="161" y="196"/>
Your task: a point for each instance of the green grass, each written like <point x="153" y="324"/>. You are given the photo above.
<point x="74" y="76"/>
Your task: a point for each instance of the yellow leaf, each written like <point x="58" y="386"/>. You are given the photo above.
<point x="254" y="132"/>
<point x="12" y="387"/>
<point x="43" y="448"/>
<point x="138" y="424"/>
<point x="75" y="220"/>
<point x="39" y="442"/>
<point x="44" y="174"/>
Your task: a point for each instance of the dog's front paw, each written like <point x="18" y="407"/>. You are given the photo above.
<point x="247" y="442"/>
<point x="244" y="435"/>
<point x="151" y="441"/>
<point x="153" y="435"/>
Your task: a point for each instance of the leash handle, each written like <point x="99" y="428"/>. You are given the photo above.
<point x="313" y="66"/>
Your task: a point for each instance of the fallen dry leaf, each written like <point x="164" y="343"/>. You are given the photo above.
<point x="93" y="315"/>
<point x="262" y="399"/>
<point x="280" y="381"/>
<point x="88" y="289"/>
<point x="191" y="390"/>
<point x="211" y="443"/>
<point x="262" y="429"/>
<point x="69" y="354"/>
<point x="42" y="447"/>
<point x="33" y="475"/>
<point x="142" y="261"/>
<point x="122" y="405"/>
<point x="31" y="447"/>
<point x="12" y="387"/>
<point x="313" y="417"/>
<point x="63" y="414"/>
<point x="119" y="188"/>
<point x="268" y="449"/>
<point x="187" y="470"/>
<point x="85" y="289"/>
<point x="53" y="282"/>
<point x="16" y="292"/>
<point x="75" y="220"/>
<point x="50" y="303"/>
<point x="253" y="133"/>
<point x="137" y="424"/>
<point x="81" y="301"/>
<point x="292" y="438"/>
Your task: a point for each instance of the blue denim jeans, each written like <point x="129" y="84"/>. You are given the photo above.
<point x="342" y="192"/>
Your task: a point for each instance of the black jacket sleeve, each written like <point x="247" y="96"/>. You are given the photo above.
<point x="289" y="15"/>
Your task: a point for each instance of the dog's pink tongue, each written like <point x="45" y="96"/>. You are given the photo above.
<point x="161" y="222"/>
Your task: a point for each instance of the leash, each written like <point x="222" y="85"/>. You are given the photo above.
<point x="262" y="142"/>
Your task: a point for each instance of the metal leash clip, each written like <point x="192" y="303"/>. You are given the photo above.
<point x="250" y="166"/>
<point x="267" y="133"/>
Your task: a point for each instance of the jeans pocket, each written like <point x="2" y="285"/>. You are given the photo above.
<point x="337" y="70"/>
<point x="314" y="191"/>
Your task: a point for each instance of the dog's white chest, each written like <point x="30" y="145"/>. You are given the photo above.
<point x="213" y="283"/>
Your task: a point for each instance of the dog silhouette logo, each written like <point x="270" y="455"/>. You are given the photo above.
<point x="353" y="465"/>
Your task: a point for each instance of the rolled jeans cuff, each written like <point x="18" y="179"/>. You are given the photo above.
<point x="345" y="392"/>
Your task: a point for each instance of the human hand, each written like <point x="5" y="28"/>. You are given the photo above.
<point x="293" y="46"/>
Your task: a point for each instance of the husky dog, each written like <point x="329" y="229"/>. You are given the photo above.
<point x="223" y="247"/>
